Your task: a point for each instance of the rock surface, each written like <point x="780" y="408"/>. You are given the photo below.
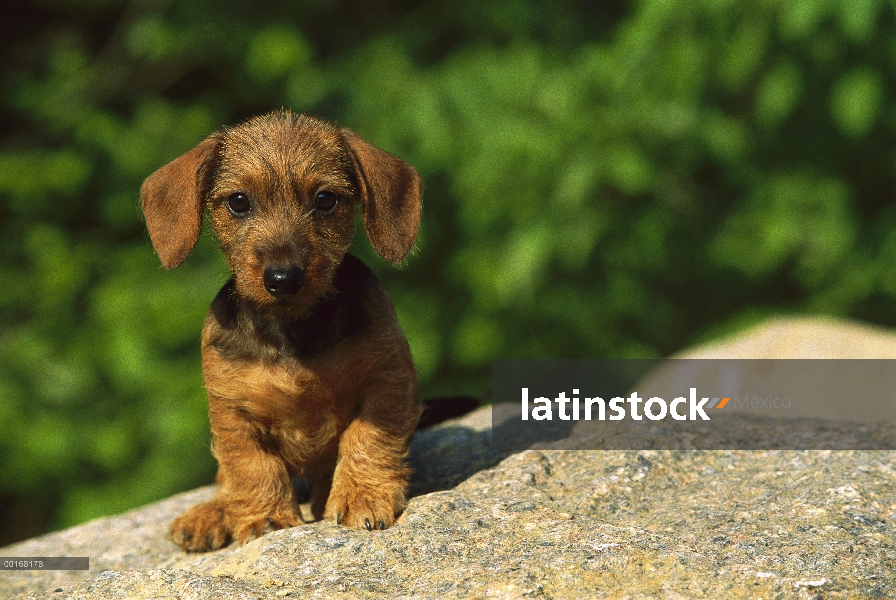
<point x="548" y="522"/>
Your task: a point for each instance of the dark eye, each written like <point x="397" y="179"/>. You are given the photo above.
<point x="326" y="202"/>
<point x="238" y="204"/>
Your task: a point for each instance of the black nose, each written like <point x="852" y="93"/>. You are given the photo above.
<point x="283" y="281"/>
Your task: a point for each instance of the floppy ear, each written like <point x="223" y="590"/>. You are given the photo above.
<point x="390" y="195"/>
<point x="173" y="200"/>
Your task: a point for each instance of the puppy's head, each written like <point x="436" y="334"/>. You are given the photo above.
<point x="281" y="191"/>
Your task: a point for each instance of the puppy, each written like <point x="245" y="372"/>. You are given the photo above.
<point x="307" y="371"/>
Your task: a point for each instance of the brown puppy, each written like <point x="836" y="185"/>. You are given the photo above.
<point x="307" y="371"/>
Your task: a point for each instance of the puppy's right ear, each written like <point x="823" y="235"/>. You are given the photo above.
<point x="173" y="200"/>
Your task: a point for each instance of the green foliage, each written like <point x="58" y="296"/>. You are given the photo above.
<point x="615" y="180"/>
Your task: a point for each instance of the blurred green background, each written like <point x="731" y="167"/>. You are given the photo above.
<point x="603" y="179"/>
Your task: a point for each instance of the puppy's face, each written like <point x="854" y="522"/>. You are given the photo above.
<point x="281" y="191"/>
<point x="282" y="201"/>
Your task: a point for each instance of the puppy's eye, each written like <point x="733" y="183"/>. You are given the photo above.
<point x="238" y="204"/>
<point x="326" y="202"/>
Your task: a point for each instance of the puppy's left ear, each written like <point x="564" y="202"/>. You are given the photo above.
<point x="390" y="195"/>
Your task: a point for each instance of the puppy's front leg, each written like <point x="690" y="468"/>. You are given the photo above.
<point x="254" y="491"/>
<point x="371" y="479"/>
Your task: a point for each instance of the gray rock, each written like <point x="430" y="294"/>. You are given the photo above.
<point x="547" y="522"/>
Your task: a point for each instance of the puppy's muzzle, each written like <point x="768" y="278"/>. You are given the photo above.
<point x="283" y="281"/>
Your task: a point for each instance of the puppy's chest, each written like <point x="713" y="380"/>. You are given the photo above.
<point x="284" y="393"/>
<point x="296" y="412"/>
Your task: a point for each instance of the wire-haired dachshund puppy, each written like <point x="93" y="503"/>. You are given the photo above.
<point x="307" y="371"/>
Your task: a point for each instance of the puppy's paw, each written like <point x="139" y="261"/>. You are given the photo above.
<point x="363" y="508"/>
<point x="202" y="528"/>
<point x="247" y="528"/>
<point x="214" y="524"/>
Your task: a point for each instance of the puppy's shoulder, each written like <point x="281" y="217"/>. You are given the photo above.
<point x="361" y="293"/>
<point x="224" y="307"/>
<point x="354" y="280"/>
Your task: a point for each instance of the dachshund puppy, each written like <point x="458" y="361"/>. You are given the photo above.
<point x="307" y="371"/>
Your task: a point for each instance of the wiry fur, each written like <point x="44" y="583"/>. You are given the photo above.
<point x="319" y="385"/>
